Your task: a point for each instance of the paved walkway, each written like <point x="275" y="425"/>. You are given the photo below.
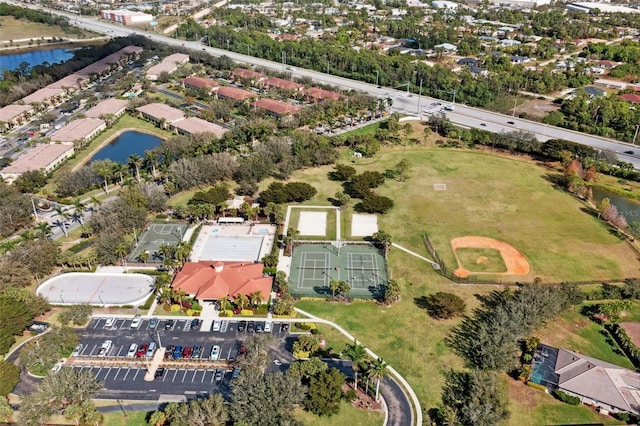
<point x="413" y="253"/>
<point x="397" y="416"/>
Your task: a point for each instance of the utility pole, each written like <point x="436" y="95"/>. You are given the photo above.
<point x="35" y="211"/>
<point x="419" y="98"/>
<point x="377" y="78"/>
<point x="515" y="104"/>
<point x="636" y="134"/>
<point x="284" y="59"/>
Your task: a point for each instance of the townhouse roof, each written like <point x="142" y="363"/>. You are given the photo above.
<point x="77" y="129"/>
<point x="321" y="94"/>
<point x="630" y="97"/>
<point x="38" y="157"/>
<point x="234" y="93"/>
<point x="10" y="112"/>
<point x="195" y="125"/>
<point x="277" y="107"/>
<point x="245" y="73"/>
<point x="200" y="82"/>
<point x="168" y="64"/>
<point x="107" y="106"/>
<point x="42" y="95"/>
<point x="282" y="83"/>
<point x="161" y="111"/>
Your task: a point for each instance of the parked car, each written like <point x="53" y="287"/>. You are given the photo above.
<point x="215" y="353"/>
<point x="169" y="325"/>
<point x="169" y="351"/>
<point x="187" y="352"/>
<point x="284" y="327"/>
<point x="177" y="353"/>
<point x="142" y="350"/>
<point x="259" y="327"/>
<point x="38" y="327"/>
<point x="104" y="349"/>
<point x="77" y="350"/>
<point x="153" y="323"/>
<point x="242" y="326"/>
<point x="56" y="368"/>
<point x="159" y="373"/>
<point x="236" y="373"/>
<point x="216" y="325"/>
<point x="251" y="327"/>
<point x="219" y="373"/>
<point x="137" y="320"/>
<point x="111" y="321"/>
<point x="133" y="349"/>
<point x="197" y="351"/>
<point x="195" y="323"/>
<point x="151" y="350"/>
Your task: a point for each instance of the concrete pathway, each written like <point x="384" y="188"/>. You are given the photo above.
<point x="207" y="316"/>
<point x="413" y="253"/>
<point x="395" y="418"/>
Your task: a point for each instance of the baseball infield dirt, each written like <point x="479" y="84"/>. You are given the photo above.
<point x="515" y="261"/>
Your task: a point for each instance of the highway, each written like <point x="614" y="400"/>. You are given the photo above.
<point x="402" y="102"/>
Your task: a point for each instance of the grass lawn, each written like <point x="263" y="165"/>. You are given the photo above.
<point x="481" y="259"/>
<point x="488" y="195"/>
<point x="17" y="29"/>
<point x="135" y="418"/>
<point x="348" y="416"/>
<point x="366" y="130"/>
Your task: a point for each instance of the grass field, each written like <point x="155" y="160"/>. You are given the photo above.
<point x="481" y="259"/>
<point x="16" y="29"/>
<point x="498" y="197"/>
<point x="136" y="418"/>
<point x="348" y="416"/>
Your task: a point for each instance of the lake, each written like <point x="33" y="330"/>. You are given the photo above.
<point x="34" y="57"/>
<point x="629" y="208"/>
<point x="128" y="143"/>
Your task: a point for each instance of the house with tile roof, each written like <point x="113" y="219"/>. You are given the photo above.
<point x="207" y="281"/>
<point x="600" y="384"/>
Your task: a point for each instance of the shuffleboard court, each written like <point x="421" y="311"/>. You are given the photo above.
<point x="97" y="289"/>
<point x="156" y="235"/>
<point x="314" y="266"/>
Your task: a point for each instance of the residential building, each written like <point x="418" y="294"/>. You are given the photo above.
<point x="610" y="84"/>
<point x="126" y="17"/>
<point x="208" y="281"/>
<point x="169" y="65"/>
<point x="82" y="129"/>
<point x="608" y="387"/>
<point x="233" y="93"/>
<point x="507" y="42"/>
<point x="46" y="97"/>
<point x="447" y="47"/>
<point x="517" y="59"/>
<point x="274" y="107"/>
<point x="317" y="94"/>
<point x="14" y="115"/>
<point x="280" y="83"/>
<point x="200" y="83"/>
<point x="195" y="125"/>
<point x="110" y="106"/>
<point x="594" y="91"/>
<point x="45" y="157"/>
<point x="245" y="74"/>
<point x="161" y="114"/>
<point x="471" y="62"/>
<point x="629" y="97"/>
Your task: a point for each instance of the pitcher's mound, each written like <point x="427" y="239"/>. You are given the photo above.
<point x="481" y="259"/>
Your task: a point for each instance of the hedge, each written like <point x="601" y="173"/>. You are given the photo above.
<point x="565" y="397"/>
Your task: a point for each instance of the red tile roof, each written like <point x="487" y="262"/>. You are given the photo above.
<point x="630" y="97"/>
<point x="214" y="280"/>
<point x="277" y="107"/>
<point x="282" y="84"/>
<point x="234" y="93"/>
<point x="245" y="73"/>
<point x="200" y="82"/>
<point x="321" y="94"/>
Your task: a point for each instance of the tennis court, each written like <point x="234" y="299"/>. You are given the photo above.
<point x="315" y="265"/>
<point x="156" y="235"/>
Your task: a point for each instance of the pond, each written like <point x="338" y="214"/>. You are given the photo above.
<point x="629" y="208"/>
<point x="125" y="145"/>
<point x="33" y="58"/>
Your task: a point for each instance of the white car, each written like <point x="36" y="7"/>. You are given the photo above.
<point x="137" y="320"/>
<point x="77" y="350"/>
<point x="215" y="353"/>
<point x="267" y="327"/>
<point x="110" y="322"/>
<point x="132" y="350"/>
<point x="56" y="368"/>
<point x="216" y="325"/>
<point x="104" y="349"/>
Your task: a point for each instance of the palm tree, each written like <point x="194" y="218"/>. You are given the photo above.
<point x="224" y="301"/>
<point x="105" y="172"/>
<point x="63" y="214"/>
<point x="78" y="210"/>
<point x="44" y="229"/>
<point x="135" y="161"/>
<point x="357" y="354"/>
<point x="8" y="245"/>
<point x="119" y="170"/>
<point x="144" y="256"/>
<point x="179" y="294"/>
<point x="377" y="370"/>
<point x="242" y="300"/>
<point x="95" y="201"/>
<point x="256" y="298"/>
<point x="151" y="160"/>
<point x="121" y="251"/>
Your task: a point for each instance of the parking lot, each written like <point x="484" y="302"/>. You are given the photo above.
<point x="123" y="372"/>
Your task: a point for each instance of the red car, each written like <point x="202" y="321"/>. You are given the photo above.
<point x="187" y="352"/>
<point x="142" y="350"/>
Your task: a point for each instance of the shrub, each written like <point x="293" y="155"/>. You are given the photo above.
<point x="161" y="216"/>
<point x="175" y="308"/>
<point x="246" y="313"/>
<point x="536" y="386"/>
<point x="565" y="397"/>
<point x="351" y="395"/>
<point x="195" y="306"/>
<point x="189" y="312"/>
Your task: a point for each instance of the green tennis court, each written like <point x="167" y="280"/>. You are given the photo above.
<point x="314" y="265"/>
<point x="156" y="235"/>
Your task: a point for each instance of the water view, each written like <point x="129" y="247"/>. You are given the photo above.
<point x="629" y="208"/>
<point x="34" y="57"/>
<point x="128" y="143"/>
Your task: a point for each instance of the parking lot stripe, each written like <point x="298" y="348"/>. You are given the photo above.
<point x="204" y="374"/>
<point x="121" y="348"/>
<point x="93" y="349"/>
<point x="96" y="323"/>
<point x="98" y="373"/>
<point x="117" y="372"/>
<point x="195" y="372"/>
<point x="184" y="376"/>
<point x="213" y="375"/>
<point x="127" y="373"/>
<point x="174" y="375"/>
<point x="107" y="375"/>
<point x="166" y="374"/>
<point x="137" y="371"/>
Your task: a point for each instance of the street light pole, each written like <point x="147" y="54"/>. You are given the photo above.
<point x="635" y="135"/>
<point x="35" y="212"/>
<point x="515" y="104"/>
<point x="419" y="98"/>
<point x="377" y="78"/>
<point x="284" y="58"/>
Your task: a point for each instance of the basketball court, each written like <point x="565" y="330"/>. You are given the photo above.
<point x="156" y="235"/>
<point x="315" y="265"/>
<point x="99" y="289"/>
